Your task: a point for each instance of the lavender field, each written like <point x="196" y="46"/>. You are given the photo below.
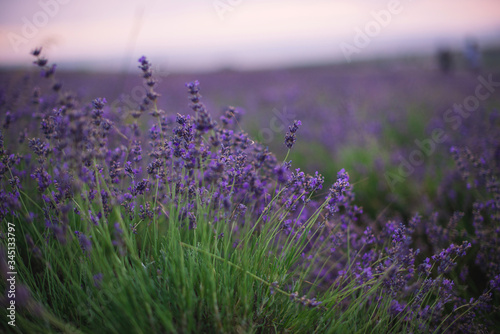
<point x="333" y="199"/>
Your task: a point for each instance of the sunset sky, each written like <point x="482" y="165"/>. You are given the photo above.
<point x="194" y="35"/>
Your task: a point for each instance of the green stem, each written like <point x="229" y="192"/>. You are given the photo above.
<point x="235" y="266"/>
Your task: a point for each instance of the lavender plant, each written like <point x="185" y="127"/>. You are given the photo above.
<point x="148" y="221"/>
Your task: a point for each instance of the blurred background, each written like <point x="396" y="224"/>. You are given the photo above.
<point x="208" y="35"/>
<point x="366" y="78"/>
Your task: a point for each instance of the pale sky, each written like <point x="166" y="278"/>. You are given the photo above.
<point x="194" y="35"/>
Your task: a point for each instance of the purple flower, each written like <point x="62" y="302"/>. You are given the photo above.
<point x="36" y="52"/>
<point x="495" y="283"/>
<point x="98" y="280"/>
<point x="47" y="72"/>
<point x="293" y="128"/>
<point x="141" y="187"/>
<point x="290" y="136"/>
<point x="192" y="221"/>
<point x="396" y="307"/>
<point x="425" y="267"/>
<point x="203" y="121"/>
<point x="85" y="243"/>
<point x="145" y="65"/>
<point x="337" y="190"/>
<point x="445" y="259"/>
<point x="41" y="62"/>
<point x="99" y="103"/>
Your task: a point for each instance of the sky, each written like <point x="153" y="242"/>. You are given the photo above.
<point x="206" y="35"/>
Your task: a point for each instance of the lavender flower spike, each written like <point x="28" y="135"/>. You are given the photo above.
<point x="290" y="136"/>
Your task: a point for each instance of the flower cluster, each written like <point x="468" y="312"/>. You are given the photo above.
<point x="97" y="174"/>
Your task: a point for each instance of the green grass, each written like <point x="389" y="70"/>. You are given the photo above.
<point x="167" y="278"/>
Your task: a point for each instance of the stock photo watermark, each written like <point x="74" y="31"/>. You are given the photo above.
<point x="364" y="35"/>
<point x="11" y="274"/>
<point x="453" y="116"/>
<point x="277" y="125"/>
<point x="222" y="7"/>
<point x="138" y="92"/>
<point x="31" y="26"/>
